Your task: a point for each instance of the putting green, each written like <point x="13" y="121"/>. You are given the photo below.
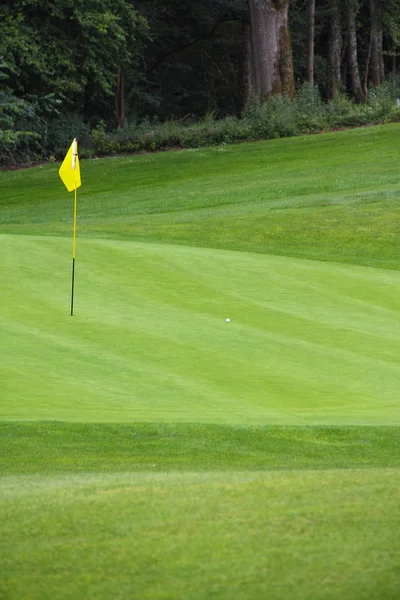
<point x="308" y="343"/>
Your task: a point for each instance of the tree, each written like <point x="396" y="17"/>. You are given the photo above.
<point x="352" y="8"/>
<point x="270" y="49"/>
<point x="391" y="29"/>
<point x="194" y="61"/>
<point x="334" y="48"/>
<point x="376" y="42"/>
<point x="114" y="60"/>
<point x="310" y="53"/>
<point x="72" y="48"/>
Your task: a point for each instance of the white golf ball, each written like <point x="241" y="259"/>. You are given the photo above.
<point x="228" y="320"/>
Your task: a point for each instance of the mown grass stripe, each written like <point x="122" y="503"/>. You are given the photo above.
<point x="308" y="342"/>
<point x="57" y="447"/>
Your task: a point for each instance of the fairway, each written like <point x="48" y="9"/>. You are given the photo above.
<point x="151" y="449"/>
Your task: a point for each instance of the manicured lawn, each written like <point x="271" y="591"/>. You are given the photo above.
<point x="57" y="448"/>
<point x="150" y="449"/>
<point x="308" y="342"/>
<point x="330" y="197"/>
<point x="284" y="534"/>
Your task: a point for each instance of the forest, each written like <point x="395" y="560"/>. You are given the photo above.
<point x="144" y="75"/>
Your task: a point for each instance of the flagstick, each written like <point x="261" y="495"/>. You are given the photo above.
<point x="73" y="256"/>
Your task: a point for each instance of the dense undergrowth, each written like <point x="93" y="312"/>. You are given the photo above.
<point x="42" y="134"/>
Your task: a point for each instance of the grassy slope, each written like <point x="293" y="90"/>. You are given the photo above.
<point x="309" y="342"/>
<point x="332" y="197"/>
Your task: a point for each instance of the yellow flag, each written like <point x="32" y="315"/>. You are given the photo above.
<point x="69" y="171"/>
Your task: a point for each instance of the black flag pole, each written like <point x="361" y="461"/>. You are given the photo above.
<point x="73" y="284"/>
<point x="73" y="258"/>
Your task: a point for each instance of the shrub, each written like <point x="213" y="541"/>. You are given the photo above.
<point x="278" y="117"/>
<point x="16" y="139"/>
<point x="309" y="109"/>
<point x="275" y="118"/>
<point x="32" y="129"/>
<point x="58" y="132"/>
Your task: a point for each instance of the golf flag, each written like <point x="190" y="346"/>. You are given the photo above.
<point x="69" y="171"/>
<point x="71" y="177"/>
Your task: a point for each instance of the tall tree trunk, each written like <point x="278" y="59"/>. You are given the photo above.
<point x="334" y="50"/>
<point x="310" y="53"/>
<point x="367" y="67"/>
<point x="270" y="48"/>
<point x="248" y="71"/>
<point x="377" y="67"/>
<point x="352" y="9"/>
<point x="120" y="98"/>
<point x="394" y="54"/>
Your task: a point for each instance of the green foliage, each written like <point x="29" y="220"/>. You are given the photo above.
<point x="309" y="109"/>
<point x="80" y="47"/>
<point x="48" y="81"/>
<point x="148" y="136"/>
<point x="15" y="141"/>
<point x="273" y="119"/>
<point x="278" y="117"/>
<point x="60" y="129"/>
<point x="194" y="59"/>
<point x="31" y="128"/>
<point x="177" y="61"/>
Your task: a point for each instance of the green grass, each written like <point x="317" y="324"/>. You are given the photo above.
<point x="308" y="342"/>
<point x="65" y="448"/>
<point x="148" y="449"/>
<point x="331" y="197"/>
<point x="299" y="534"/>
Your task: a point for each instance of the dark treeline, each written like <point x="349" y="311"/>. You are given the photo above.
<point x="69" y="66"/>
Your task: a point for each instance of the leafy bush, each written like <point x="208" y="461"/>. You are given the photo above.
<point x="15" y="140"/>
<point x="274" y="118"/>
<point x="31" y="129"/>
<point x="59" y="130"/>
<point x="309" y="109"/>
